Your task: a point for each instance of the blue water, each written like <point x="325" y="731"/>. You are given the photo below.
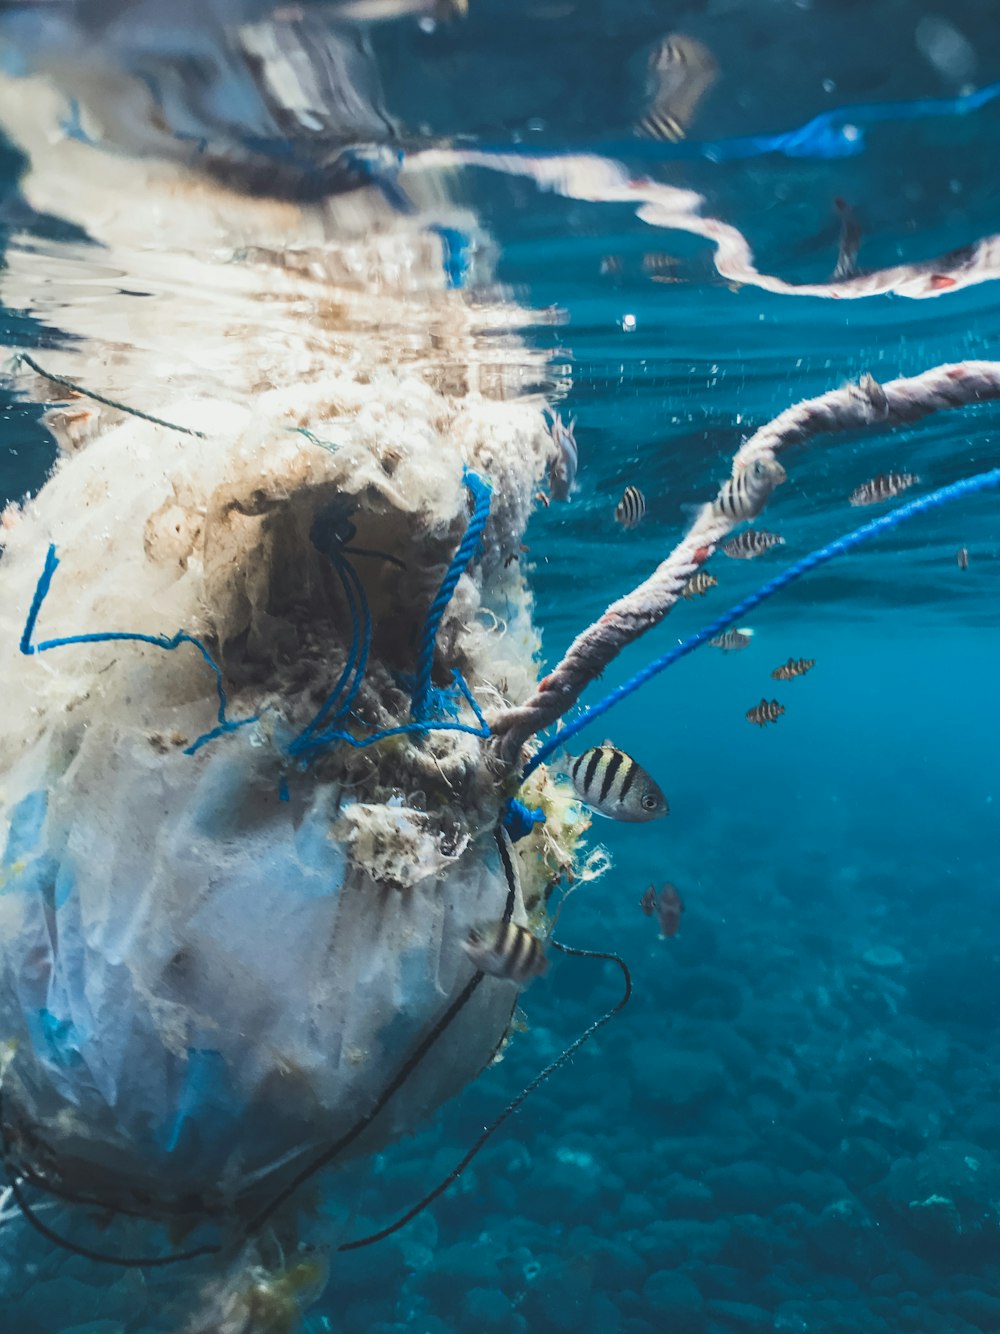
<point x="794" y="1125"/>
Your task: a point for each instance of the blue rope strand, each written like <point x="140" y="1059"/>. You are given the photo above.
<point x="415" y="728"/>
<point x="481" y="495"/>
<point x="120" y="636"/>
<point x="302" y="741"/>
<point x="983" y="481"/>
<point x="366" y="637"/>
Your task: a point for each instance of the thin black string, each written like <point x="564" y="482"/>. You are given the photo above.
<point x="512" y="1106"/>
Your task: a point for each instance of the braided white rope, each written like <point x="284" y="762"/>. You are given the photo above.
<point x="756" y="472"/>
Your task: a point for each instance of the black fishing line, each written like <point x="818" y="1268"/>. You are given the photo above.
<point x="512" y="1106"/>
<point x="108" y="402"/>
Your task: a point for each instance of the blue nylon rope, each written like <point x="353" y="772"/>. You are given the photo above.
<point x="836" y="133"/>
<point x="121" y="636"/>
<point x="357" y="657"/>
<point x="414" y="728"/>
<point x="983" y="481"/>
<point x="481" y="495"/>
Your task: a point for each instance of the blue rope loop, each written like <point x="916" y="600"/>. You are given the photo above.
<point x="519" y="820"/>
<point x="356" y="661"/>
<point x="840" y="546"/>
<point x="120" y="637"/>
<point x="482" y="493"/>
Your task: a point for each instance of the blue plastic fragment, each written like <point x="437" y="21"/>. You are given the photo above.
<point x="519" y="820"/>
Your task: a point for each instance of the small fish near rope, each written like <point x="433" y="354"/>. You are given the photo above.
<point x="750" y="544"/>
<point x="767" y="711"/>
<point x="507" y="951"/>
<point x="744" y="495"/>
<point x="792" y="668"/>
<point x="668" y="907"/>
<point x="886" y="486"/>
<point x="631" y="509"/>
<point x="612" y="784"/>
<point x="733" y="640"/>
<point x="699" y="584"/>
<point x="562" y="474"/>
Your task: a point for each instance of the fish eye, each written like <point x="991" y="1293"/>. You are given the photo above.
<point x="649" y="802"/>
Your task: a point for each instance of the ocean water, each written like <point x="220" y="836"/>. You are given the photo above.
<point x="793" y="1125"/>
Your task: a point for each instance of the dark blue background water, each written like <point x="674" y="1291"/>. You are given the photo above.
<point x="794" y="1125"/>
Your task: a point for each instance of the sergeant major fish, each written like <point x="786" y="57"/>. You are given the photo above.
<point x="744" y="495"/>
<point x="630" y="509"/>
<point x="612" y="784"/>
<point x="506" y="950"/>
<point x="699" y="584"/>
<point x="753" y="542"/>
<point x="733" y="640"/>
<point x="680" y="72"/>
<point x="792" y="668"/>
<point x="883" y="487"/>
<point x="767" y="711"/>
<point x="562" y="474"/>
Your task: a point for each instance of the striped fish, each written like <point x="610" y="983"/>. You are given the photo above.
<point x="506" y="950"/>
<point x="962" y="558"/>
<point x="732" y="640"/>
<point x="630" y="509"/>
<point x="746" y="494"/>
<point x="612" y="784"/>
<point x="767" y="711"/>
<point x="874" y="394"/>
<point x="658" y="267"/>
<point x="562" y="474"/>
<point x="699" y="584"/>
<point x="753" y="542"/>
<point x="792" y="668"/>
<point x="681" y="70"/>
<point x="883" y="487"/>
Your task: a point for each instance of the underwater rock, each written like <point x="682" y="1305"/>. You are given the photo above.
<point x="681" y="1083"/>
<point x="884" y="957"/>
<point x="979" y="1308"/>
<point x="741" y="1316"/>
<point x="818" y="1116"/>
<point x="846" y="1239"/>
<point x="688" y="1199"/>
<point x="676" y="1302"/>
<point x="745" y="1187"/>
<point x="947" y="1196"/>
<point x="486" y="1309"/>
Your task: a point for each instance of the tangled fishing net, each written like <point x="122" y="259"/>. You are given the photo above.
<point x="268" y="669"/>
<point x="247" y="636"/>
